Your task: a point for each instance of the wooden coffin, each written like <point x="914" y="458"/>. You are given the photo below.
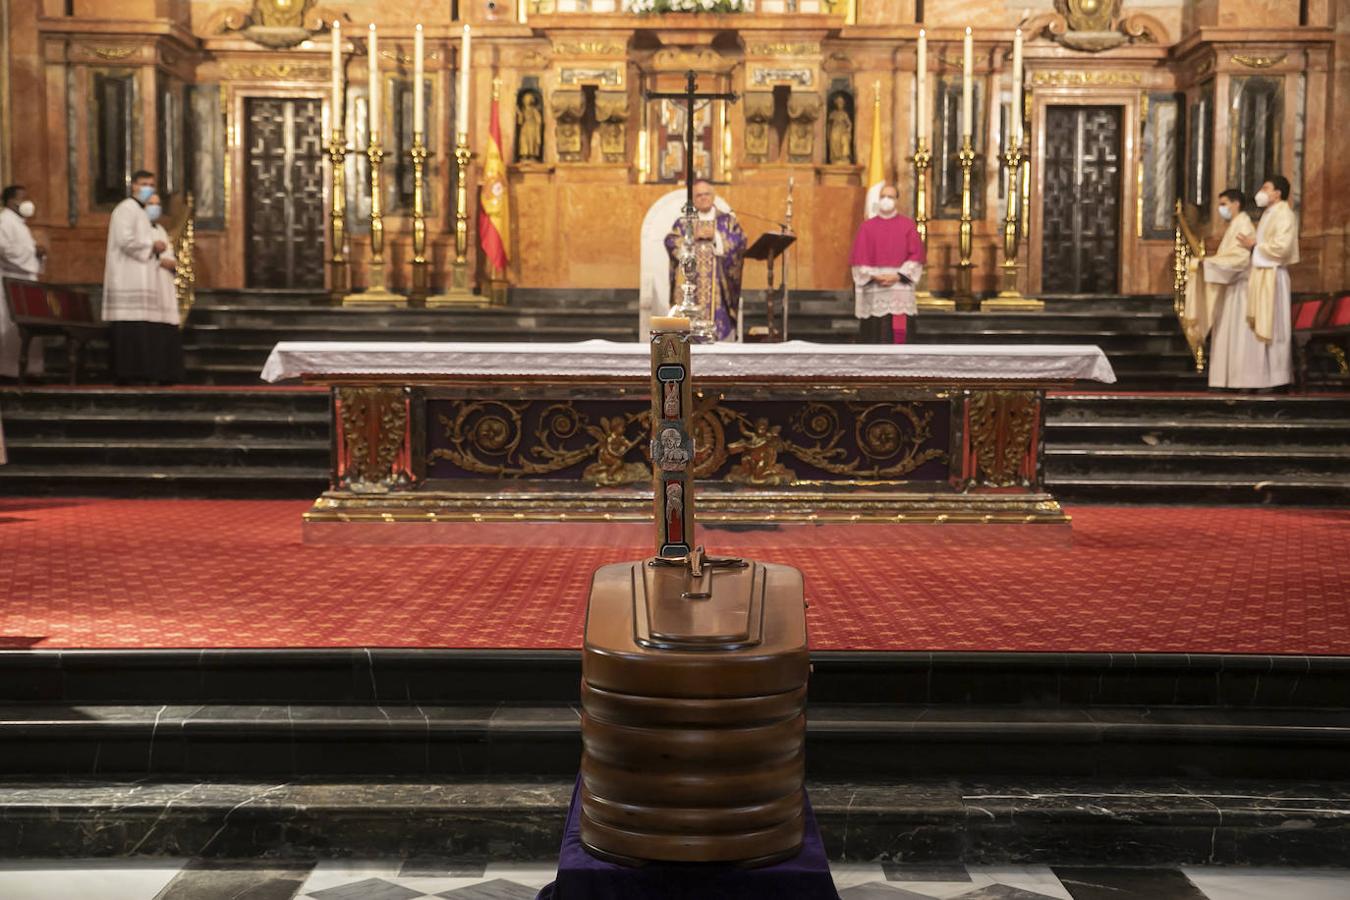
<point x="694" y="712"/>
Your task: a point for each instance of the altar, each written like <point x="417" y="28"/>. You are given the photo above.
<point x="428" y="433"/>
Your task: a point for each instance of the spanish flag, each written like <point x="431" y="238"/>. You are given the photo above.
<point x="494" y="208"/>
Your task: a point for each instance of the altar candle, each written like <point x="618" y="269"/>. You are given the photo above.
<point x="921" y="88"/>
<point x="337" y="74"/>
<point x="374" y="63"/>
<point x="462" y="113"/>
<point x="1016" y="123"/>
<point x="968" y="86"/>
<point x="418" y="111"/>
<point x="669" y="323"/>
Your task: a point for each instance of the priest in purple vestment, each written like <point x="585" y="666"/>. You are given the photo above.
<point x="719" y="251"/>
<point x="887" y="261"/>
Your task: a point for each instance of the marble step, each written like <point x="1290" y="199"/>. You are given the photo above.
<point x="237" y="482"/>
<point x="77" y="401"/>
<point x="1247" y="461"/>
<point x="271" y="332"/>
<point x="307" y="455"/>
<point x="431" y="321"/>
<point x="190" y="424"/>
<point x="1237" y="408"/>
<point x="543" y="740"/>
<point x="1060" y="820"/>
<point x="1196" y="488"/>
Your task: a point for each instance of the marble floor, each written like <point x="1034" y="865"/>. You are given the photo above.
<point x="182" y="879"/>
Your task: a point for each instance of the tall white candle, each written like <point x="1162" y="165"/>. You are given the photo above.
<point x="462" y="110"/>
<point x="337" y="74"/>
<point x="921" y="88"/>
<point x="374" y="70"/>
<point x="968" y="86"/>
<point x="1016" y="124"/>
<point x="419" y="123"/>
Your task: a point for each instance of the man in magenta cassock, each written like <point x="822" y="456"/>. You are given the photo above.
<point x="719" y="252"/>
<point x="887" y="262"/>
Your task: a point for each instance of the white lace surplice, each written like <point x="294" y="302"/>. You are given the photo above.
<point x="872" y="299"/>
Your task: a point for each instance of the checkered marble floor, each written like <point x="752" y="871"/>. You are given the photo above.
<point x="180" y="879"/>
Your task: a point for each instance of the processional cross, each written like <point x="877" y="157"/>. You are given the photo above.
<point x="688" y="264"/>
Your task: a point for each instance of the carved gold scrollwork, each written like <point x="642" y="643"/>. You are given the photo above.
<point x="109" y="53"/>
<point x="758" y="116"/>
<point x="882" y="431"/>
<point x="759" y="447"/>
<point x="568" y="107"/>
<point x="1258" y="62"/>
<point x="374" y="431"/>
<point x="1001" y="426"/>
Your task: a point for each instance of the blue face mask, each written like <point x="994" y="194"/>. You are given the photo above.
<point x="154" y="210"/>
<point x="144" y="192"/>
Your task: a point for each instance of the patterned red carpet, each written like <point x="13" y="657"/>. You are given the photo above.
<point x="197" y="573"/>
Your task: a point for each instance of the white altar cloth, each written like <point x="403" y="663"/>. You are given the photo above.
<point x="976" y="362"/>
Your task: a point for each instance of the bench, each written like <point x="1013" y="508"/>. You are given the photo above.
<point x="51" y="310"/>
<point x="1321" y="329"/>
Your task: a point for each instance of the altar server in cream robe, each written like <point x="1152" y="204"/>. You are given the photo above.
<point x="1253" y="346"/>
<point x="146" y="345"/>
<point x="20" y="257"/>
<point x="1219" y="282"/>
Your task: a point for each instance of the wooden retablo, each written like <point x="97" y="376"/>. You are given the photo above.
<point x="694" y="674"/>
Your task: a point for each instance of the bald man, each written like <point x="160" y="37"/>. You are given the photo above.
<point x="719" y="256"/>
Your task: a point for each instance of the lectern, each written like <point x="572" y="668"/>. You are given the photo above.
<point x="771" y="247"/>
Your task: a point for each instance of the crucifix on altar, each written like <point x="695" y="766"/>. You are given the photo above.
<point x="694" y="230"/>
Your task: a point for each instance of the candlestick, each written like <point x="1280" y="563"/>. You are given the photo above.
<point x="339" y="281"/>
<point x="419" y="113"/>
<point x="922" y="160"/>
<point x="968" y="86"/>
<point x="965" y="298"/>
<point x="462" y="109"/>
<point x="459" y="292"/>
<point x="376" y="291"/>
<point x="921" y="91"/>
<point x="336" y="66"/>
<point x="373" y="70"/>
<point x="419" y="236"/>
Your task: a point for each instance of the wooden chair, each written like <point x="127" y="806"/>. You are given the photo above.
<point x="43" y="310"/>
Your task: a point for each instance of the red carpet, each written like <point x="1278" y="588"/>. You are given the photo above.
<point x="197" y="573"/>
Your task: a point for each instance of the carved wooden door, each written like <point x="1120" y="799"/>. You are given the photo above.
<point x="284" y="211"/>
<point x="1080" y="207"/>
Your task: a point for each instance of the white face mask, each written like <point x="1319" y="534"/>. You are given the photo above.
<point x="1225" y="212"/>
<point x="886" y="205"/>
<point x="27" y="209"/>
<point x="1262" y="199"/>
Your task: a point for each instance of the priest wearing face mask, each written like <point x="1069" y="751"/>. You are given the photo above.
<point x="143" y="330"/>
<point x="20" y="257"/>
<point x="887" y="262"/>
<point x="1260" y="354"/>
<point x="1217" y="289"/>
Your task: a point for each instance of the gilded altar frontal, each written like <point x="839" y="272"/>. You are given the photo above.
<point x="1132" y="110"/>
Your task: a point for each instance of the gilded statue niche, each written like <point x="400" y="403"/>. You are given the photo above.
<point x="568" y="108"/>
<point x="758" y="106"/>
<point x="803" y="111"/>
<point x="529" y="126"/>
<point x="839" y="130"/>
<point x="611" y="115"/>
<point x="1096" y="25"/>
<point x="277" y="24"/>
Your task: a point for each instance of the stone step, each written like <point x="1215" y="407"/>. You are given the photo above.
<point x="1255" y="462"/>
<point x="1066" y="407"/>
<point x="1027" y="821"/>
<point x="271" y="333"/>
<point x="308" y="455"/>
<point x="1163" y="431"/>
<point x="431" y="321"/>
<point x="238" y="482"/>
<point x="112" y="400"/>
<point x="544" y="740"/>
<point x="1191" y="488"/>
<point x="135" y="424"/>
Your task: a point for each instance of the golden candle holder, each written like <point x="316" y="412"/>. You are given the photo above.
<point x="339" y="281"/>
<point x="922" y="160"/>
<point x="965" y="296"/>
<point x="418" y="295"/>
<point x="1009" y="298"/>
<point x="459" y="292"/>
<point x="377" y="291"/>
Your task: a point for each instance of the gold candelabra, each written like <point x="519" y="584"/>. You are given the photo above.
<point x="923" y="160"/>
<point x="376" y="290"/>
<point x="965" y="296"/>
<point x="1009" y="297"/>
<point x="339" y="280"/>
<point x="419" y="222"/>
<point x="459" y="292"/>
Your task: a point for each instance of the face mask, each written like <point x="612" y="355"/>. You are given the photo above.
<point x="1262" y="199"/>
<point x="887" y="205"/>
<point x="144" y="193"/>
<point x="26" y="209"/>
<point x="154" y="210"/>
<point x="1225" y="212"/>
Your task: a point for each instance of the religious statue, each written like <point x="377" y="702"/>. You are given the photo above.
<point x="719" y="247"/>
<point x="759" y="451"/>
<point x="839" y="127"/>
<point x="529" y="128"/>
<point x="612" y="446"/>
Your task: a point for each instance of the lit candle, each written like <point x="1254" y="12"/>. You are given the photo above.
<point x="418" y="111"/>
<point x="968" y="87"/>
<point x="374" y="85"/>
<point x="1017" y="90"/>
<point x="921" y="88"/>
<point x="337" y="75"/>
<point x="462" y="113"/>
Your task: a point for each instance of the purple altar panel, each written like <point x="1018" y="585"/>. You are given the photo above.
<point x="583" y="877"/>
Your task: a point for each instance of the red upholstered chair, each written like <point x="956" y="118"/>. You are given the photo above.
<point x="1324" y="339"/>
<point x="51" y="310"/>
<point x="1307" y="312"/>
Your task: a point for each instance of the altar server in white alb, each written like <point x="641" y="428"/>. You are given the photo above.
<point x="1253" y="346"/>
<point x="1218" y="283"/>
<point x="20" y="257"/>
<point x="146" y="345"/>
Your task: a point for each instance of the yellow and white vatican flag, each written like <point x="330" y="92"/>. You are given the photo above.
<point x="876" y="165"/>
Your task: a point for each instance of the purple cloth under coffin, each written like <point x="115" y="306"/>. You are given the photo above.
<point x="583" y="877"/>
